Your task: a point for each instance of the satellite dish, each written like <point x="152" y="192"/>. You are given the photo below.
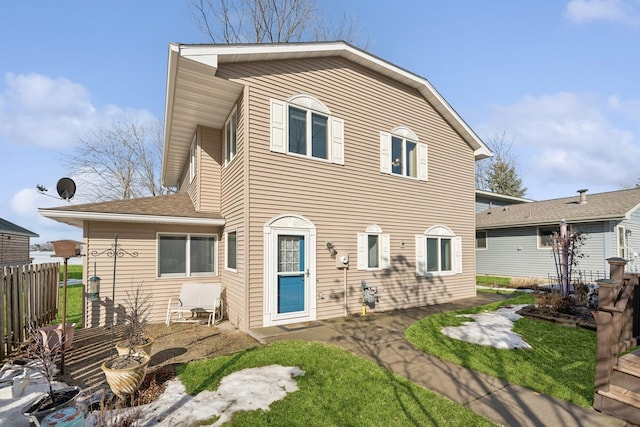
<point x="66" y="188"/>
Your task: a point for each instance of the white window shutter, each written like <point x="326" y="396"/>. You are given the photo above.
<point x="423" y="162"/>
<point x="385" y="152"/>
<point x="457" y="255"/>
<point x="385" y="258"/>
<point x="278" y="126"/>
<point x="337" y="141"/>
<point x="362" y="251"/>
<point x="421" y="256"/>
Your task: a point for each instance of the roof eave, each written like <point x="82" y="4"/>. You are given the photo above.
<point x="77" y="219"/>
<point x="546" y="223"/>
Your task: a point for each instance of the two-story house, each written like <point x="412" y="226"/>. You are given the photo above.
<point x="303" y="169"/>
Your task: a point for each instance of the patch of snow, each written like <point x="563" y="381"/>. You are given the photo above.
<point x="491" y="329"/>
<point x="246" y="390"/>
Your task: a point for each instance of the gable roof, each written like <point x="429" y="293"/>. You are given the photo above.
<point x="170" y="209"/>
<point x="196" y="96"/>
<point x="11" y="228"/>
<point x="613" y="205"/>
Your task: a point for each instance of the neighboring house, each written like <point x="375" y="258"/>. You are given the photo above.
<point x="514" y="240"/>
<point x="486" y="200"/>
<point x="14" y="244"/>
<point x="289" y="157"/>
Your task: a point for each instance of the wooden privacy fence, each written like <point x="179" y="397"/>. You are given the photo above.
<point x="28" y="294"/>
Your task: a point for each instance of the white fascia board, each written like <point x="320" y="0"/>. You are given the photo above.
<point x="148" y="219"/>
<point x="172" y="70"/>
<point x="548" y="223"/>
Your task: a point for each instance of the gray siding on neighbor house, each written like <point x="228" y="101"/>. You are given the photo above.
<point x="633" y="240"/>
<point x="514" y="252"/>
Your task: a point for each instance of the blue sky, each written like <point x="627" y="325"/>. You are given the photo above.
<point x="558" y="78"/>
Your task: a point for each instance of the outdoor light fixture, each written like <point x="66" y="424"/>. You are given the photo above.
<point x="332" y="249"/>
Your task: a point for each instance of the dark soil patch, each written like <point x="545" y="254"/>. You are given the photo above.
<point x="46" y="402"/>
<point x="582" y="318"/>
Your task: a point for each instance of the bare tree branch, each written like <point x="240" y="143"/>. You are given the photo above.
<point x="119" y="161"/>
<point x="268" y="21"/>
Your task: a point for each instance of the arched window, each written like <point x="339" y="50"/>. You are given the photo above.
<point x="373" y="249"/>
<point x="438" y="252"/>
<point x="402" y="154"/>
<point x="303" y="126"/>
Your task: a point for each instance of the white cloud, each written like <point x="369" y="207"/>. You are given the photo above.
<point x="568" y="141"/>
<point x="42" y="111"/>
<point x="619" y="11"/>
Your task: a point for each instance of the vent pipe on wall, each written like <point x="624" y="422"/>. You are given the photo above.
<point x="583" y="196"/>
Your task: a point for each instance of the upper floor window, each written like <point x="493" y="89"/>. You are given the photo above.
<point x="402" y="154"/>
<point x="193" y="159"/>
<point x="438" y="252"/>
<point x="304" y="126"/>
<point x="186" y="255"/>
<point x="373" y="249"/>
<point x="230" y="136"/>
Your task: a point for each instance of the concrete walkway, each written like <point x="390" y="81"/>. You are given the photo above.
<point x="380" y="337"/>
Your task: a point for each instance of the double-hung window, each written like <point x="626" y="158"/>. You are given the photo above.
<point x="308" y="133"/>
<point x="438" y="252"/>
<point x="304" y="126"/>
<point x="186" y="255"/>
<point x="373" y="249"/>
<point x="401" y="154"/>
<point x="230" y="136"/>
<point x="404" y="155"/>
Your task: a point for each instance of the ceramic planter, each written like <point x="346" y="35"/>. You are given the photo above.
<point x="123" y="350"/>
<point x="125" y="381"/>
<point x="35" y="415"/>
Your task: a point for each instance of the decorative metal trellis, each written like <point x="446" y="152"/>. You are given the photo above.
<point x="115" y="251"/>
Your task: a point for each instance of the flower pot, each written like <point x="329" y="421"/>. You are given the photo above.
<point x="124" y="381"/>
<point x="52" y="336"/>
<point x="123" y="349"/>
<point x="35" y="411"/>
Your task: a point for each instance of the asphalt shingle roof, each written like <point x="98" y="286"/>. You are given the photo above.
<point x="11" y="228"/>
<point x="599" y="206"/>
<point x="174" y="205"/>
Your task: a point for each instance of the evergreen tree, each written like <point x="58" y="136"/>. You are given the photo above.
<point x="502" y="178"/>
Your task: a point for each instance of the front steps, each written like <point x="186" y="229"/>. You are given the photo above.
<point x="622" y="399"/>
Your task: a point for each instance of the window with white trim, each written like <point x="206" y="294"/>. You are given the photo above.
<point x="193" y="159"/>
<point x="621" y="241"/>
<point x="304" y="126"/>
<point x="230" y="136"/>
<point x="438" y="252"/>
<point x="402" y="154"/>
<point x="373" y="249"/>
<point x="231" y="250"/>
<point x="187" y="255"/>
<point x="481" y="240"/>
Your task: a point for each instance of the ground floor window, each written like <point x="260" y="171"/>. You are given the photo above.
<point x="186" y="255"/>
<point x="438" y="252"/>
<point x="481" y="240"/>
<point x="373" y="249"/>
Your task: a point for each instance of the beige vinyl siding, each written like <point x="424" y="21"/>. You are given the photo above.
<point x="209" y="160"/>
<point x="233" y="200"/>
<point x="14" y="249"/>
<point x="344" y="200"/>
<point x="132" y="270"/>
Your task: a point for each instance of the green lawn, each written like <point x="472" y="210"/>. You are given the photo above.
<point x="492" y="280"/>
<point x="561" y="363"/>
<point x="338" y="388"/>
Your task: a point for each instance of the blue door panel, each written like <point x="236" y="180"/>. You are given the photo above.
<point x="290" y="294"/>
